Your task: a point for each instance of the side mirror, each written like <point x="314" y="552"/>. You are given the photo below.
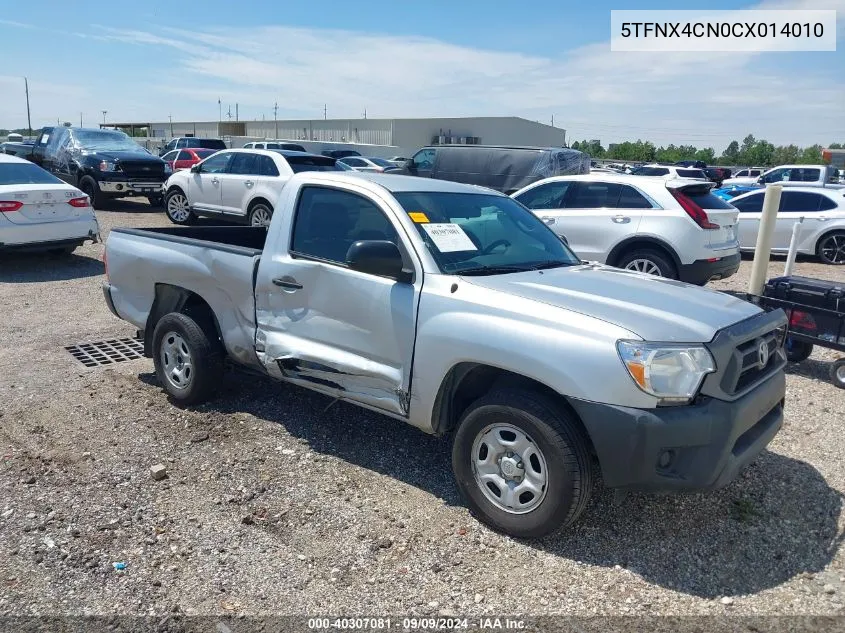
<point x="761" y="180"/>
<point x="195" y="169"/>
<point x="375" y="257"/>
<point x="409" y="164"/>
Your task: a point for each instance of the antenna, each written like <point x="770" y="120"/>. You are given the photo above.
<point x="28" y="120"/>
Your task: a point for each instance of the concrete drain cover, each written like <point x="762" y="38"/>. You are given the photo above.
<point x="100" y="353"/>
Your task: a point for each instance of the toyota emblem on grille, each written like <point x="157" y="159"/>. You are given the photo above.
<point x="763" y="353"/>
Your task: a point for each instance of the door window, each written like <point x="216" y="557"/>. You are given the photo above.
<point x="354" y="162"/>
<point x="630" y="198"/>
<point x="424" y="159"/>
<point x="169" y="156"/>
<point x="216" y="164"/>
<point x="753" y="203"/>
<point x="826" y="204"/>
<point x="259" y="146"/>
<point x="799" y="201"/>
<point x="244" y="164"/>
<point x="548" y="196"/>
<point x="594" y="195"/>
<point x="184" y="155"/>
<point x="329" y="221"/>
<point x="266" y="166"/>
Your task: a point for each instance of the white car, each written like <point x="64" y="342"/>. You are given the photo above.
<point x="40" y="212"/>
<point x="670" y="171"/>
<point x="822" y="231"/>
<point x="293" y="147"/>
<point x="363" y="163"/>
<point x="240" y="184"/>
<point x="671" y="228"/>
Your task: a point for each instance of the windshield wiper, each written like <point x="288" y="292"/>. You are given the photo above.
<point x="553" y="264"/>
<point x="491" y="270"/>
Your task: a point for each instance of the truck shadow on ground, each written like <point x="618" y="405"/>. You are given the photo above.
<point x="811" y="368"/>
<point x="24" y="268"/>
<point x="129" y="205"/>
<point x="779" y="519"/>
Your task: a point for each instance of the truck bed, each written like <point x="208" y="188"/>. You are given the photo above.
<point x="251" y="238"/>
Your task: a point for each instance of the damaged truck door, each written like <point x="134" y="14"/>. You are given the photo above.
<point x="323" y="323"/>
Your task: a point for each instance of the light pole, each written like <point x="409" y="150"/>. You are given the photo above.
<point x="170" y="116"/>
<point x="28" y="120"/>
<point x="104" y="117"/>
<point x="276" y="119"/>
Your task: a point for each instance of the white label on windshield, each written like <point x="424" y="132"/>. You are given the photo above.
<point x="449" y="238"/>
<point x="45" y="138"/>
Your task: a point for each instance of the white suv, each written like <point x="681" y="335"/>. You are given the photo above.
<point x="672" y="228"/>
<point x="240" y="184"/>
<point x="670" y="171"/>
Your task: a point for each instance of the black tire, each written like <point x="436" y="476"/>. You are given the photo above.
<point x="559" y="438"/>
<point x="170" y="208"/>
<point x="256" y="209"/>
<point x="204" y="352"/>
<point x="90" y="188"/>
<point x="656" y="258"/>
<point x="830" y="248"/>
<point x="64" y="251"/>
<point x="837" y="373"/>
<point x="156" y="201"/>
<point x="797" y="351"/>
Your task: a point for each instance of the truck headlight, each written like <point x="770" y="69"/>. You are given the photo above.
<point x="669" y="371"/>
<point x="168" y="169"/>
<point x="107" y="165"/>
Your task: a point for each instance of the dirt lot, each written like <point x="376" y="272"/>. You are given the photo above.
<point x="274" y="504"/>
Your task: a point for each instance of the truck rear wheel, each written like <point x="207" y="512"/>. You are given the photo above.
<point x="797" y="351"/>
<point x="522" y="463"/>
<point x="188" y="363"/>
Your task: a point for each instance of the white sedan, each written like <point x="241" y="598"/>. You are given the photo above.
<point x="40" y="212"/>
<point x="363" y="163"/>
<point x="822" y="231"/>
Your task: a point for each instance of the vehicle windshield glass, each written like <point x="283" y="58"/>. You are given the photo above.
<point x="381" y="162"/>
<point x="312" y="163"/>
<point x="26" y="174"/>
<point x="650" y="171"/>
<point x="469" y="233"/>
<point x="204" y="153"/>
<point x="105" y="139"/>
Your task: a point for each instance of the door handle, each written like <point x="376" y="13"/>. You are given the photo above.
<point x="548" y="219"/>
<point x="214" y="181"/>
<point x="288" y="283"/>
<point x="248" y="183"/>
<point x="821" y="218"/>
<point x="621" y="219"/>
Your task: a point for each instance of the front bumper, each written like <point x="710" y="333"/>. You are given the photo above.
<point x="702" y="446"/>
<point x="130" y="188"/>
<point x="701" y="271"/>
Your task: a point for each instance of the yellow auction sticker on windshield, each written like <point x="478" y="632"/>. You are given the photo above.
<point x="418" y="216"/>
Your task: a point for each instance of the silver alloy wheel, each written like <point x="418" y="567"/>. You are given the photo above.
<point x="644" y="266"/>
<point x="509" y="468"/>
<point x="832" y="249"/>
<point x="840" y="373"/>
<point x="176" y="361"/>
<point x="177" y="207"/>
<point x="260" y="216"/>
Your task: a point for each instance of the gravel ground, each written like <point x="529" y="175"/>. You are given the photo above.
<point x="275" y="504"/>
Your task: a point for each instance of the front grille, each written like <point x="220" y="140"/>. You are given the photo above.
<point x="748" y="359"/>
<point x="142" y="169"/>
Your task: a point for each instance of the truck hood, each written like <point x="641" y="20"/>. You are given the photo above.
<point x="103" y="154"/>
<point x="654" y="308"/>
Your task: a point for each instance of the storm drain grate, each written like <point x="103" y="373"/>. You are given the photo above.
<point x="114" y="350"/>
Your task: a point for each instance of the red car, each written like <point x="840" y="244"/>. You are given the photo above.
<point x="186" y="158"/>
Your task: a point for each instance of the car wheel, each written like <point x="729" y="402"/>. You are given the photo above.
<point x="648" y="261"/>
<point x="837" y="373"/>
<point x="797" y="351"/>
<point x="260" y="214"/>
<point x="521" y="463"/>
<point x="177" y="208"/>
<point x="188" y="364"/>
<point x="90" y="188"/>
<point x="831" y="248"/>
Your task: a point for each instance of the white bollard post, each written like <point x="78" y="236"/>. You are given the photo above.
<point x="793" y="247"/>
<point x="763" y="248"/>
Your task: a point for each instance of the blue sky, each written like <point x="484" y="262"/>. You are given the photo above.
<point x="145" y="61"/>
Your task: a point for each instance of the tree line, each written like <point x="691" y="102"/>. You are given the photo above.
<point x="752" y="151"/>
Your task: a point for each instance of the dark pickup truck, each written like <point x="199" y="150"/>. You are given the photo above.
<point x="104" y="164"/>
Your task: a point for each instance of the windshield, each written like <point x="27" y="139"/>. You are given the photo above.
<point x="106" y="139"/>
<point x="650" y="171"/>
<point x="469" y="233"/>
<point x="381" y="162"/>
<point x="26" y="174"/>
<point x="312" y="163"/>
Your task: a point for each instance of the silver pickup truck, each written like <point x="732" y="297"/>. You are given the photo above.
<point x="455" y="309"/>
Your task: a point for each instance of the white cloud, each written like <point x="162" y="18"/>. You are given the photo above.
<point x="699" y="98"/>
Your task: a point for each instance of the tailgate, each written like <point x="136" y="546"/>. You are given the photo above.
<point x="718" y="211"/>
<point x="45" y="203"/>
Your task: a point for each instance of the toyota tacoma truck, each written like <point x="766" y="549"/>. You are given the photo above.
<point x="453" y="308"/>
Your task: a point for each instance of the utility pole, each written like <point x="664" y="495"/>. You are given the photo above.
<point x="104" y="116"/>
<point x="219" y="110"/>
<point x="325" y="110"/>
<point x="236" y="112"/>
<point x="80" y="119"/>
<point x="229" y="113"/>
<point x="553" y="120"/>
<point x="276" y="119"/>
<point x="28" y="120"/>
<point x="365" y="113"/>
<point x="170" y="116"/>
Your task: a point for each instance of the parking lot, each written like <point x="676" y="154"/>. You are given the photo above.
<point x="276" y="502"/>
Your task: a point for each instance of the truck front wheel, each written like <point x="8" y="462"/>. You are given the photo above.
<point x="188" y="364"/>
<point x="89" y="187"/>
<point x="522" y="463"/>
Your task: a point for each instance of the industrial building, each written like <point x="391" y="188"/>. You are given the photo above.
<point x="382" y="136"/>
